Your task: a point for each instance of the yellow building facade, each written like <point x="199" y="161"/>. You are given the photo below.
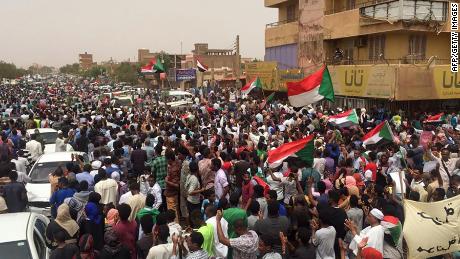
<point x="373" y="49"/>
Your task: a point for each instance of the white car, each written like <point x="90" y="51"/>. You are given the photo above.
<point x="49" y="136"/>
<point x="39" y="187"/>
<point x="23" y="236"/>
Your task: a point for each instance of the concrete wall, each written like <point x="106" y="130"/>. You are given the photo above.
<point x="282" y="35"/>
<point x="274" y="3"/>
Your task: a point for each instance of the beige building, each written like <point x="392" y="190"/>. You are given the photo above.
<point x="85" y="60"/>
<point x="397" y="50"/>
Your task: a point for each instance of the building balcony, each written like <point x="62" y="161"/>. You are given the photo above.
<point x="428" y="16"/>
<point x="281" y="33"/>
<point x="275" y="3"/>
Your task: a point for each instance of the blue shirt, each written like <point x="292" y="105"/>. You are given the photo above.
<point x="282" y="210"/>
<point x="58" y="198"/>
<point x="85" y="176"/>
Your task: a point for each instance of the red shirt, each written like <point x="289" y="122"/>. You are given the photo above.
<point x="247" y="192"/>
<point x="373" y="168"/>
<point x="126" y="233"/>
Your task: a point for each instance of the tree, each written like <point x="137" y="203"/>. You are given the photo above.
<point x="165" y="58"/>
<point x="73" y="69"/>
<point x="95" y="71"/>
<point x="9" y="70"/>
<point x="126" y="72"/>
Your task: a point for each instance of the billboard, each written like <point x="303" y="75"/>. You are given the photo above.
<point x="267" y="73"/>
<point x="364" y="81"/>
<point x="185" y="74"/>
<point x="290" y="75"/>
<point x="420" y="83"/>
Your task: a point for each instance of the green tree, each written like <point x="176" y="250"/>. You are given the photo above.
<point x="95" y="71"/>
<point x="165" y="58"/>
<point x="127" y="72"/>
<point x="73" y="69"/>
<point x="9" y="70"/>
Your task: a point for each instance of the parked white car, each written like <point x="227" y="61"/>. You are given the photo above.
<point x="39" y="188"/>
<point x="49" y="136"/>
<point x="23" y="236"/>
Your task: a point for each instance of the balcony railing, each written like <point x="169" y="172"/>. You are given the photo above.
<point x="414" y="61"/>
<point x="390" y="9"/>
<point x="275" y="24"/>
<point x="353" y="6"/>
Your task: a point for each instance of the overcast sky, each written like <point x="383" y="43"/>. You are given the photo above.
<point x="53" y="32"/>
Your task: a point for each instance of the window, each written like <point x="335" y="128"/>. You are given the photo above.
<point x="376" y="46"/>
<point x="39" y="244"/>
<point x="348" y="54"/>
<point x="417" y="46"/>
<point x="351" y="4"/>
<point x="290" y="13"/>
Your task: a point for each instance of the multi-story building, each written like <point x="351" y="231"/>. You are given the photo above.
<point x="375" y="50"/>
<point x="85" y="60"/>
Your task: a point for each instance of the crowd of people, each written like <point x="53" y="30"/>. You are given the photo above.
<point x="194" y="182"/>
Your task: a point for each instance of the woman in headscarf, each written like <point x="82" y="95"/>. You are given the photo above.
<point x="111" y="219"/>
<point x="94" y="223"/>
<point x="65" y="223"/>
<point x="113" y="249"/>
<point x="86" y="245"/>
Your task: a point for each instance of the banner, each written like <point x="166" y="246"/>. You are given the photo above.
<point x="267" y="73"/>
<point x="290" y="75"/>
<point x="185" y="74"/>
<point x="420" y="83"/>
<point x="364" y="81"/>
<point x="432" y="229"/>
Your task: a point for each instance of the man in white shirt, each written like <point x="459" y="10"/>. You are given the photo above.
<point x="107" y="188"/>
<point x="151" y="186"/>
<point x="61" y="142"/>
<point x="374" y="233"/>
<point x="220" y="250"/>
<point x="220" y="181"/>
<point x="34" y="147"/>
<point x="163" y="250"/>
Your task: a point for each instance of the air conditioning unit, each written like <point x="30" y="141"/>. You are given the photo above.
<point x="361" y="42"/>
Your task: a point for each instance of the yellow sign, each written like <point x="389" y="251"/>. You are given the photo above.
<point x="363" y="81"/>
<point x="433" y="228"/>
<point x="447" y="84"/>
<point x="267" y="73"/>
<point x="290" y="75"/>
<point x="420" y="83"/>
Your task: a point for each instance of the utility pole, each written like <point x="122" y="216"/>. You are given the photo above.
<point x="238" y="63"/>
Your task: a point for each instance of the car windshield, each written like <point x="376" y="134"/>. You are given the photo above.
<point x="40" y="172"/>
<point x="49" y="137"/>
<point x="123" y="102"/>
<point x="15" y="249"/>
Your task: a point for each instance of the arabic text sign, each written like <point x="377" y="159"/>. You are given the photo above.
<point x="432" y="229"/>
<point x="363" y="81"/>
<point x="185" y="74"/>
<point x="266" y="71"/>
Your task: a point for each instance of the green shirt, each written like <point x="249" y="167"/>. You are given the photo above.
<point x="231" y="215"/>
<point x="160" y="170"/>
<point x="148" y="211"/>
<point x="208" y="238"/>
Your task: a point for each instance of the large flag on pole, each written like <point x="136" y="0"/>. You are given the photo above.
<point x="344" y="119"/>
<point x="256" y="83"/>
<point x="435" y="118"/>
<point x="313" y="88"/>
<point x="154" y="66"/>
<point x="379" y="134"/>
<point x="269" y="99"/>
<point x="200" y="66"/>
<point x="302" y="149"/>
